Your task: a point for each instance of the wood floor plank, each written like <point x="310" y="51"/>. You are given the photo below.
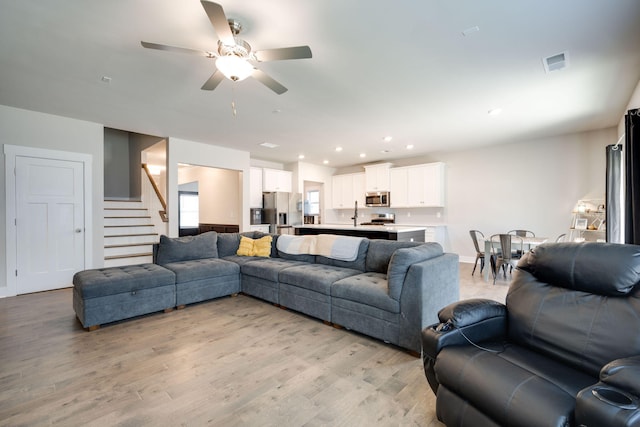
<point x="229" y="362"/>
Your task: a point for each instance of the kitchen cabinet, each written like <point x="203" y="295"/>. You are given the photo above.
<point x="347" y="189"/>
<point x="276" y="180"/>
<point x="255" y="188"/>
<point x="398" y="179"/>
<point x="417" y="186"/>
<point x="377" y="177"/>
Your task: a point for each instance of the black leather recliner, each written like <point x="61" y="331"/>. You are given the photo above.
<point x="563" y="351"/>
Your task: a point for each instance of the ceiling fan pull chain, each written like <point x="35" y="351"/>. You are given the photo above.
<point x="233" y="97"/>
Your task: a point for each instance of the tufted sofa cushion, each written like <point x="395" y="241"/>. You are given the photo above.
<point x="366" y="288"/>
<point x="116" y="280"/>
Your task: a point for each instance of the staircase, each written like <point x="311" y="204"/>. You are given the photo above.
<point x="129" y="233"/>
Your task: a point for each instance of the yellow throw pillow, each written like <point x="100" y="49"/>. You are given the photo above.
<point x="246" y="246"/>
<point x="262" y="246"/>
<point x="250" y="247"/>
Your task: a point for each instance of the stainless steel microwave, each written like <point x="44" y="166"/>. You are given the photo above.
<point x="377" y="199"/>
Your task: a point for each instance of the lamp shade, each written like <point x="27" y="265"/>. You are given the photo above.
<point x="233" y="67"/>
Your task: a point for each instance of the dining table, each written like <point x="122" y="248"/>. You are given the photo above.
<point x="528" y="243"/>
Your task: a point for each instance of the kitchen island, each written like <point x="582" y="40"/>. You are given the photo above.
<point x="386" y="232"/>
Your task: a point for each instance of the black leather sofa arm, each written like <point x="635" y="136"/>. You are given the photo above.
<point x="615" y="400"/>
<point x="623" y="374"/>
<point x="478" y="319"/>
<point x="462" y="322"/>
<point x="468" y="312"/>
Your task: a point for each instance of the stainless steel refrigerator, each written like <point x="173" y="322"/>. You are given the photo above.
<point x="275" y="210"/>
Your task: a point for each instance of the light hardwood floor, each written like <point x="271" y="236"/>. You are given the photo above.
<point x="229" y="362"/>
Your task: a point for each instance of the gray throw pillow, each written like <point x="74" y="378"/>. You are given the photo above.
<point x="187" y="248"/>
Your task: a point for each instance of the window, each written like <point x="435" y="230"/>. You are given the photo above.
<point x="313" y="203"/>
<point x="189" y="209"/>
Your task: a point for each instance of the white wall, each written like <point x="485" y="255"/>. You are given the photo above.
<point x="634" y="102"/>
<point x="116" y="165"/>
<point x="532" y="185"/>
<point x="219" y="193"/>
<point x="33" y="129"/>
<point x="529" y="184"/>
<point x="200" y="154"/>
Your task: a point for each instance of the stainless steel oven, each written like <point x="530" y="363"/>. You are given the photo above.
<point x="377" y="199"/>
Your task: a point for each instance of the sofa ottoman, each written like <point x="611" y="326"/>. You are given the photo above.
<point x="106" y="295"/>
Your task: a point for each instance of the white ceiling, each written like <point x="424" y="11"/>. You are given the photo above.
<point x="379" y="68"/>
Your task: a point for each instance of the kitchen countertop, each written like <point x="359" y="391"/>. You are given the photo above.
<point x="381" y="228"/>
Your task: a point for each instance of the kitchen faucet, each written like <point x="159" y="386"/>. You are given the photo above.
<point x="355" y="215"/>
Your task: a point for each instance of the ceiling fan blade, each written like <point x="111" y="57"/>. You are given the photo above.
<point x="296" y="52"/>
<point x="263" y="78"/>
<point x="177" y="49"/>
<point x="219" y="21"/>
<point x="213" y="81"/>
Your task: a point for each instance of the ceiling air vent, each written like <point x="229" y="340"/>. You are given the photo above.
<point x="556" y="62"/>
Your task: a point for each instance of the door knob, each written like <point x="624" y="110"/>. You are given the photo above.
<point x="78" y="230"/>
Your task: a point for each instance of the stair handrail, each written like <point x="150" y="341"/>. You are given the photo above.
<point x="163" y="212"/>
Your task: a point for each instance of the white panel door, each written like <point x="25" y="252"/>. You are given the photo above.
<point x="49" y="223"/>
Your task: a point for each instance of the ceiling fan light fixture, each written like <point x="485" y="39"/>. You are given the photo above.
<point x="234" y="68"/>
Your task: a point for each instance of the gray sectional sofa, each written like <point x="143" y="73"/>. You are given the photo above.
<point x="390" y="290"/>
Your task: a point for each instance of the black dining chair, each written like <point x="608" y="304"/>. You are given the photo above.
<point x="508" y="249"/>
<point x="477" y="235"/>
<point x="561" y="238"/>
<point x="522" y="233"/>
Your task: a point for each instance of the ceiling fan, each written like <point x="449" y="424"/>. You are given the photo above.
<point x="233" y="54"/>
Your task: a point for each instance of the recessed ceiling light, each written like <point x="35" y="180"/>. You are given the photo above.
<point x="363" y="155"/>
<point x="301" y="156"/>
<point x="495" y="111"/>
<point x="268" y="145"/>
<point x="385" y="151"/>
<point x="338" y="149"/>
<point x="325" y="162"/>
<point x="410" y="147"/>
<point x="387" y="138"/>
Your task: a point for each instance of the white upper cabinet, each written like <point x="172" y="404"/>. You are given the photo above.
<point x="398" y="179"/>
<point x="418" y="186"/>
<point x="377" y="177"/>
<point x="276" y="180"/>
<point x="255" y="188"/>
<point x="346" y="190"/>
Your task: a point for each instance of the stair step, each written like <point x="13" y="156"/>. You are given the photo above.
<point x="119" y="262"/>
<point x="127" y="249"/>
<point x="127" y="230"/>
<point x="106" y="212"/>
<point x="126" y="204"/>
<point x="126" y="245"/>
<point x="132" y="239"/>
<point x="129" y="234"/>
<point x="129" y="255"/>
<point x="110" y="221"/>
